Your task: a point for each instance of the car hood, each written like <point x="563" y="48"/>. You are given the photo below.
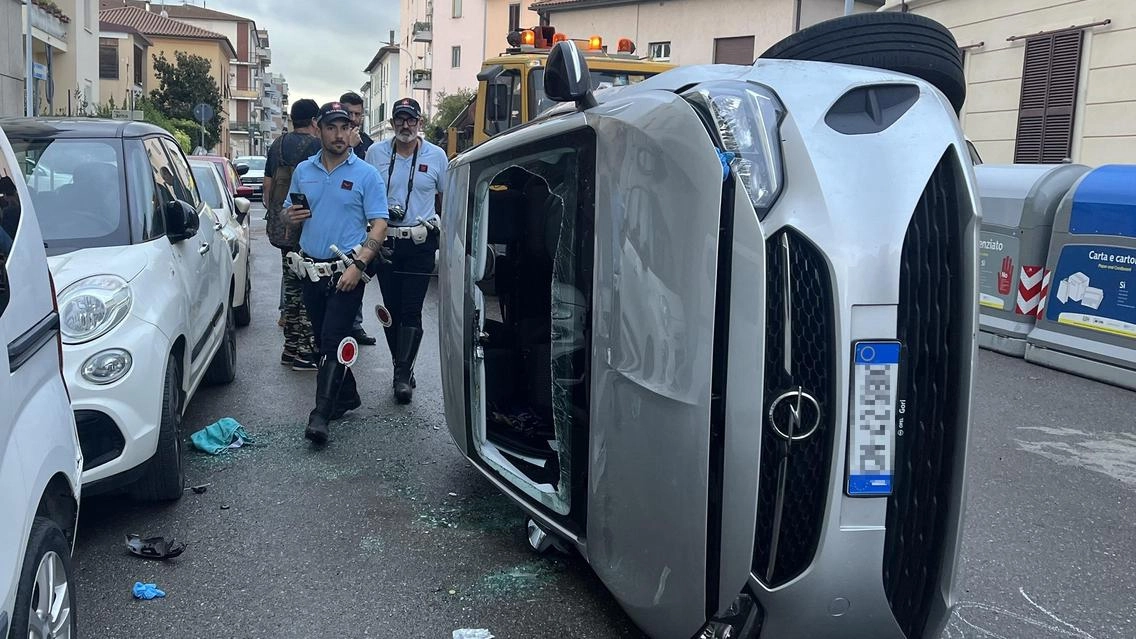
<point x="124" y="261"/>
<point x="253" y="173"/>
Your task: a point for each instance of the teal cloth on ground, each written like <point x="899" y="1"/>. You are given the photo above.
<point x="221" y="434"/>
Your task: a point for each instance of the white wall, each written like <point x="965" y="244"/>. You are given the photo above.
<point x="11" y="59"/>
<point x="467" y="32"/>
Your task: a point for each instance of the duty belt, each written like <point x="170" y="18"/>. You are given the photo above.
<point x="306" y="267"/>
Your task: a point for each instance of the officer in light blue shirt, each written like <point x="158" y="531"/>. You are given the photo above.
<point x="334" y="195"/>
<point x="415" y="173"/>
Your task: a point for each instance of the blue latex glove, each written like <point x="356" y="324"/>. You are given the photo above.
<point x="725" y="158"/>
<point x="147" y="591"/>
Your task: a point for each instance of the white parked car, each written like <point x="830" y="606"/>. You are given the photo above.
<point x="144" y="280"/>
<point x="254" y="175"/>
<point x="232" y="212"/>
<point x="40" y="458"/>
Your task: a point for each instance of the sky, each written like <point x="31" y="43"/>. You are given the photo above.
<point x="321" y="47"/>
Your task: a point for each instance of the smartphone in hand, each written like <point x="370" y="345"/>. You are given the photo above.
<point x="300" y="200"/>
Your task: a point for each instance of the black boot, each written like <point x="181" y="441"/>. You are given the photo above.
<point x="328" y="379"/>
<point x="348" y="396"/>
<point x="408" y="340"/>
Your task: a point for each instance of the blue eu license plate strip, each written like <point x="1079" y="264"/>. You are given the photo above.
<point x="871" y="446"/>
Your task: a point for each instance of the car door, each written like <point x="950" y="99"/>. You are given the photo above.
<point x="190" y="256"/>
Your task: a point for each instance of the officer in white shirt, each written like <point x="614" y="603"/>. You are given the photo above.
<point x="415" y="173"/>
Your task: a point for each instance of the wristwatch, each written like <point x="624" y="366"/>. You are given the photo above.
<point x="359" y="264"/>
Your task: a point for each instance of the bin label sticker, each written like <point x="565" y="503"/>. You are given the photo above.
<point x="1093" y="289"/>
<point x="997" y="272"/>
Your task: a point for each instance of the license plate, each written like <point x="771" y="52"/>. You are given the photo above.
<point x="871" y="448"/>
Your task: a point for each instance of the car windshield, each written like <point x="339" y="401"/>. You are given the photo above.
<point x="77" y="188"/>
<point x="205" y="176"/>
<point x="601" y="79"/>
<point x="254" y="162"/>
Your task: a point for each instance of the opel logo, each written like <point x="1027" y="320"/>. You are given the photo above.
<point x="794" y="415"/>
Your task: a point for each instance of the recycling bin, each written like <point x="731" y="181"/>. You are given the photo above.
<point x="1087" y="323"/>
<point x="1019" y="203"/>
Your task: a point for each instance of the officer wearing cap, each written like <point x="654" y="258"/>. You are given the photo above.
<point x="344" y="194"/>
<point x="414" y="172"/>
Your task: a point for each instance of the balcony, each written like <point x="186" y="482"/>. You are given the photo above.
<point x="423" y="32"/>
<point x="243" y="126"/>
<point x="420" y="79"/>
<point x="50" y="21"/>
<point x="245" y="94"/>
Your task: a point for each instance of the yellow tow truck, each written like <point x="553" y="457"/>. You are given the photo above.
<point x="510" y="87"/>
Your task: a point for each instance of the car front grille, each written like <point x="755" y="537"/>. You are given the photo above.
<point x="930" y="326"/>
<point x="795" y="475"/>
<point x="99" y="438"/>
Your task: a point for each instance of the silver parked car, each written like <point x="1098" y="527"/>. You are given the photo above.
<point x="715" y="332"/>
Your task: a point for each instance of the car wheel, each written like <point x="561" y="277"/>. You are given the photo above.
<point x="243" y="312"/>
<point x="901" y="42"/>
<point x="223" y="368"/>
<point x="45" y="598"/>
<point x="164" y="479"/>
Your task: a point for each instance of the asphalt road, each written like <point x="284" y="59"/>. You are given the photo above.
<point x="389" y="533"/>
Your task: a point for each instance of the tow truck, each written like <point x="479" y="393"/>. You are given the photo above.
<point x="510" y="87"/>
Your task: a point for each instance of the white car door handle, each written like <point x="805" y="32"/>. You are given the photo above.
<point x="204" y="249"/>
<point x="218" y="226"/>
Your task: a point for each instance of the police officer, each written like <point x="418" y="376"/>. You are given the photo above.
<point x="414" y="172"/>
<point x="344" y="194"/>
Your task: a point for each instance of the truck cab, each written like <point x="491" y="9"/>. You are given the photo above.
<point x="510" y="87"/>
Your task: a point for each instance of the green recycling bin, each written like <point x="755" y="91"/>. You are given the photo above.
<point x="1087" y="325"/>
<point x="1019" y="203"/>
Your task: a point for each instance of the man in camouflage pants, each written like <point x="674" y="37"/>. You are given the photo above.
<point x="287" y="151"/>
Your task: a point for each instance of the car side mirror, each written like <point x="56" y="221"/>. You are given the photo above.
<point x="566" y="78"/>
<point x="243" y="206"/>
<point x="242" y="169"/>
<point x="182" y="221"/>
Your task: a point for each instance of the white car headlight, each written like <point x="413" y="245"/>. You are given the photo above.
<point x="92" y="306"/>
<point x="748" y="120"/>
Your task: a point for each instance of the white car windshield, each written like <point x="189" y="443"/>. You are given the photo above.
<point x="254" y="162"/>
<point x="77" y="187"/>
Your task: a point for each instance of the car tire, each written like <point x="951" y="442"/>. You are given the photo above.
<point x="223" y="368"/>
<point x="45" y="544"/>
<point x="243" y="312"/>
<point x="900" y="42"/>
<point x="164" y="478"/>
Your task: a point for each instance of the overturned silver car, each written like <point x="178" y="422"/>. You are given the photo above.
<point x="715" y="332"/>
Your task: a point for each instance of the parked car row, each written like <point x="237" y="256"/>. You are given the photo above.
<point x="123" y="276"/>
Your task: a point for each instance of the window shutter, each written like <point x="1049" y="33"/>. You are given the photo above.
<point x="734" y="50"/>
<point x="108" y="58"/>
<point x="1049" y="96"/>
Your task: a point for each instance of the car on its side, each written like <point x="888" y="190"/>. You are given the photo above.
<point x="144" y="279"/>
<point x="727" y="353"/>
<point x="40" y="458"/>
<point x="233" y="214"/>
<point x="253" y="176"/>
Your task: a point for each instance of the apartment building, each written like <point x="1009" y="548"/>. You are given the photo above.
<point x="381" y="90"/>
<point x="123" y="52"/>
<point x="502" y="17"/>
<point x="65" y="42"/>
<point x="1047" y="80"/>
<point x="168" y="36"/>
<point x="416" y="30"/>
<point x="693" y="31"/>
<point x="12" y="70"/>
<point x="459" y="29"/>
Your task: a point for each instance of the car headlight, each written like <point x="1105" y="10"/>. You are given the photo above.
<point x="107" y="367"/>
<point x="748" y="118"/>
<point x="92" y="306"/>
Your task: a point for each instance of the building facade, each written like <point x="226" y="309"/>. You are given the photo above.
<point x="123" y="52"/>
<point x="65" y="43"/>
<point x="692" y="31"/>
<point x="381" y="90"/>
<point x="503" y="16"/>
<point x="1047" y="80"/>
<point x="168" y="37"/>
<point x="12" y="72"/>
<point x="416" y="46"/>
<point x="459" y="28"/>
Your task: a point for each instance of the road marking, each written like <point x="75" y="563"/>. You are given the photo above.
<point x="1068" y="629"/>
<point x="1111" y="454"/>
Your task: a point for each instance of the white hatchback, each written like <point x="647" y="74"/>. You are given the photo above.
<point x="232" y="214"/>
<point x="40" y="458"/>
<point x="144" y="279"/>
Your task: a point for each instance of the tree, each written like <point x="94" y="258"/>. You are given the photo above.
<point x="447" y="107"/>
<point x="184" y="85"/>
<point x="151" y="114"/>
